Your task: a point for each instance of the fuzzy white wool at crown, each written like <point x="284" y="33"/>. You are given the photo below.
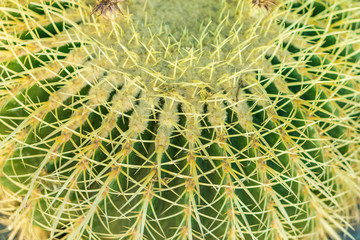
<point x="185" y="47"/>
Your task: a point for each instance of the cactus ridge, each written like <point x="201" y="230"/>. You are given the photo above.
<point x="178" y="119"/>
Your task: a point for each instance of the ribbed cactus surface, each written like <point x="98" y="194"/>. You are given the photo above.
<point x="181" y="119"/>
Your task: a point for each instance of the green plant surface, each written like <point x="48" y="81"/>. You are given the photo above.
<point x="182" y="119"/>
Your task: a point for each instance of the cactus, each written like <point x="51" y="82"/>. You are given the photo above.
<point x="183" y="119"/>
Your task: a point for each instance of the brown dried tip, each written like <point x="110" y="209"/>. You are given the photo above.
<point x="264" y="3"/>
<point x="107" y="8"/>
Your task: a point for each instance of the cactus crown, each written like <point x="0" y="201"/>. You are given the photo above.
<point x="183" y="119"/>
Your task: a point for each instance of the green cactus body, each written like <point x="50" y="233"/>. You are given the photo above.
<point x="183" y="119"/>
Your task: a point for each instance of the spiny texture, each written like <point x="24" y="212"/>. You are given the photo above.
<point x="182" y="119"/>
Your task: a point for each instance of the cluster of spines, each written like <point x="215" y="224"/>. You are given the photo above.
<point x="133" y="96"/>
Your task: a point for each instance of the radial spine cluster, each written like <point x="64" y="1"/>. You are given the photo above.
<point x="182" y="119"/>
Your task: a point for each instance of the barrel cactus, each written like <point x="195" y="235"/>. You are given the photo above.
<point x="182" y="119"/>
